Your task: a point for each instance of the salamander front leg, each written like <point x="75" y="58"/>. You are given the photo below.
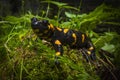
<point x="59" y="50"/>
<point x="91" y="51"/>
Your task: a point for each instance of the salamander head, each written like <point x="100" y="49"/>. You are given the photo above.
<point x="42" y="25"/>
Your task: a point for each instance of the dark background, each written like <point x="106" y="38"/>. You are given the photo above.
<point x="18" y="7"/>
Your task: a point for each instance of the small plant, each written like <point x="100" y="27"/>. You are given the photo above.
<point x="60" y="6"/>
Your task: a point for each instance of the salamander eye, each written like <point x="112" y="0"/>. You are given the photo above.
<point x="34" y="19"/>
<point x="45" y="21"/>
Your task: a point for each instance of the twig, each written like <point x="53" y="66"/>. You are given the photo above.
<point x="104" y="63"/>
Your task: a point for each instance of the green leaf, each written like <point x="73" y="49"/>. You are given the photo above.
<point x="70" y="7"/>
<point x="59" y="4"/>
<point x="109" y="47"/>
<point x="69" y="15"/>
<point x="82" y="15"/>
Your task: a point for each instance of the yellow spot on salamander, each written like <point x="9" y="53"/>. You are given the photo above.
<point x="89" y="52"/>
<point x="91" y="48"/>
<point x="83" y="38"/>
<point x="48" y="26"/>
<point x="59" y="29"/>
<point x="57" y="53"/>
<point x="57" y="42"/>
<point x="75" y="38"/>
<point x="51" y="27"/>
<point x="65" y="30"/>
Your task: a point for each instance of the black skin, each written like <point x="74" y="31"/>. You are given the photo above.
<point x="60" y="36"/>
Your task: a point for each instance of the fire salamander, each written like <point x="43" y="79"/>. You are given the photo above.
<point x="60" y="36"/>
